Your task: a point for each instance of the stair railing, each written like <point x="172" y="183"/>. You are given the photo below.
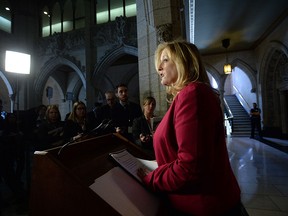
<point x="229" y="114"/>
<point x="242" y="100"/>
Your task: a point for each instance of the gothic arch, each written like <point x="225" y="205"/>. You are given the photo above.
<point x="216" y="75"/>
<point x="275" y="88"/>
<point x="50" y="67"/>
<point x="248" y="70"/>
<point x="108" y="59"/>
<point x="7" y="83"/>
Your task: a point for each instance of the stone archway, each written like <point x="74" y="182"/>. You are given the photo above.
<point x="248" y="70"/>
<point x="275" y="91"/>
<point x="10" y="90"/>
<point x="50" y="67"/>
<point x="125" y="60"/>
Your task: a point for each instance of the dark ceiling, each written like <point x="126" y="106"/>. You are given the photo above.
<point x="245" y="22"/>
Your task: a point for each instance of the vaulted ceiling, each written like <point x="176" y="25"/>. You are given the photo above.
<point x="245" y="22"/>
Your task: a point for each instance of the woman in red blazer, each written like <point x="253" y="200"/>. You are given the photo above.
<point x="194" y="172"/>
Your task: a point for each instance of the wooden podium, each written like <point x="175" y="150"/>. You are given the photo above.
<point x="60" y="182"/>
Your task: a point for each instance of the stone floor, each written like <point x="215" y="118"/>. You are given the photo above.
<point x="261" y="170"/>
<point x="262" y="173"/>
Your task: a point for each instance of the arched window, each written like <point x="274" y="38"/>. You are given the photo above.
<point x="56" y="19"/>
<point x="68" y="17"/>
<point x="46" y="30"/>
<point x="5" y="16"/>
<point x="108" y="10"/>
<point x="79" y="15"/>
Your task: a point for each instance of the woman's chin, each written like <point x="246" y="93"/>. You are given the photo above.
<point x="165" y="83"/>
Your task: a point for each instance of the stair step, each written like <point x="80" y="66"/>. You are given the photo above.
<point x="241" y="119"/>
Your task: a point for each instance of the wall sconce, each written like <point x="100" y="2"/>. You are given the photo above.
<point x="227" y="67"/>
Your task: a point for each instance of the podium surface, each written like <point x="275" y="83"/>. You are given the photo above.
<point x="61" y="177"/>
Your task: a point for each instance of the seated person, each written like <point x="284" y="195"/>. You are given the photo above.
<point x="77" y="123"/>
<point x="12" y="158"/>
<point x="50" y="133"/>
<point x="142" y="128"/>
<point x="106" y="111"/>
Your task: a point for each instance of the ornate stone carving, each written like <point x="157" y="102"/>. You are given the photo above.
<point x="115" y="34"/>
<point x="164" y="33"/>
<point x="61" y="43"/>
<point x="120" y="25"/>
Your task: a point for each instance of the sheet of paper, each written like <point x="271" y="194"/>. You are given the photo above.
<point x="125" y="194"/>
<point x="131" y="163"/>
<point x="149" y="164"/>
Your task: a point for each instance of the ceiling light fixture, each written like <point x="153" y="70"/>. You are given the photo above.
<point x="227" y="67"/>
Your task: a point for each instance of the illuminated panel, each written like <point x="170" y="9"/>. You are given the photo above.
<point x="17" y="62"/>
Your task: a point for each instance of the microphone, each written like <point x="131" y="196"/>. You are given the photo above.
<point x="101" y="127"/>
<point x="108" y="124"/>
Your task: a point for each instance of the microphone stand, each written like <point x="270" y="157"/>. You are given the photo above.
<point x="76" y="138"/>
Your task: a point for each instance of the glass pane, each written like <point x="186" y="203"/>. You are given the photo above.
<point x="5" y="16"/>
<point x="56" y="18"/>
<point x="45" y="22"/>
<point x="130" y="8"/>
<point x="68" y="17"/>
<point x="116" y="9"/>
<point x="102" y="12"/>
<point x="79" y="15"/>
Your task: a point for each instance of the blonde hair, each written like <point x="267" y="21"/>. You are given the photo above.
<point x="73" y="115"/>
<point x="149" y="100"/>
<point x="50" y="107"/>
<point x="189" y="65"/>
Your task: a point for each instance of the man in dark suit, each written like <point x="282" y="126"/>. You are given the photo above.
<point x="126" y="111"/>
<point x="255" y="116"/>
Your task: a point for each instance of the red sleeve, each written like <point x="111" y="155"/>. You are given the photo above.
<point x="182" y="174"/>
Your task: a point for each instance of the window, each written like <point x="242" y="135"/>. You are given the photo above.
<point x="130" y="8"/>
<point x="45" y="22"/>
<point x="102" y="15"/>
<point x="79" y="15"/>
<point x="5" y="16"/>
<point x="56" y="19"/>
<point x="68" y="17"/>
<point x="116" y="9"/>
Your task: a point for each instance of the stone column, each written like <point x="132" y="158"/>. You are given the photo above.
<point x="90" y="54"/>
<point x="26" y="32"/>
<point x="284" y="115"/>
<point x="157" y="21"/>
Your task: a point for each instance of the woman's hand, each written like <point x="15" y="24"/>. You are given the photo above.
<point x="145" y="138"/>
<point x="142" y="172"/>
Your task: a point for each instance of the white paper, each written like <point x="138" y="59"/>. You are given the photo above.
<point x="131" y="163"/>
<point x="125" y="194"/>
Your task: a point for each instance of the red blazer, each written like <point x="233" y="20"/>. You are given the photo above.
<point x="190" y="148"/>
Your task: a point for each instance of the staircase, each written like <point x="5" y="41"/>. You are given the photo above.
<point x="241" y="119"/>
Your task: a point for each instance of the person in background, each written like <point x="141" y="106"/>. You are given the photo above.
<point x="77" y="123"/>
<point x="107" y="111"/>
<point x="255" y="117"/>
<point x="3" y="114"/>
<point x="142" y="127"/>
<point x="194" y="171"/>
<point x="2" y="118"/>
<point x="12" y="160"/>
<point x="95" y="113"/>
<point x="50" y="133"/>
<point x="33" y="118"/>
<point x="125" y="112"/>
